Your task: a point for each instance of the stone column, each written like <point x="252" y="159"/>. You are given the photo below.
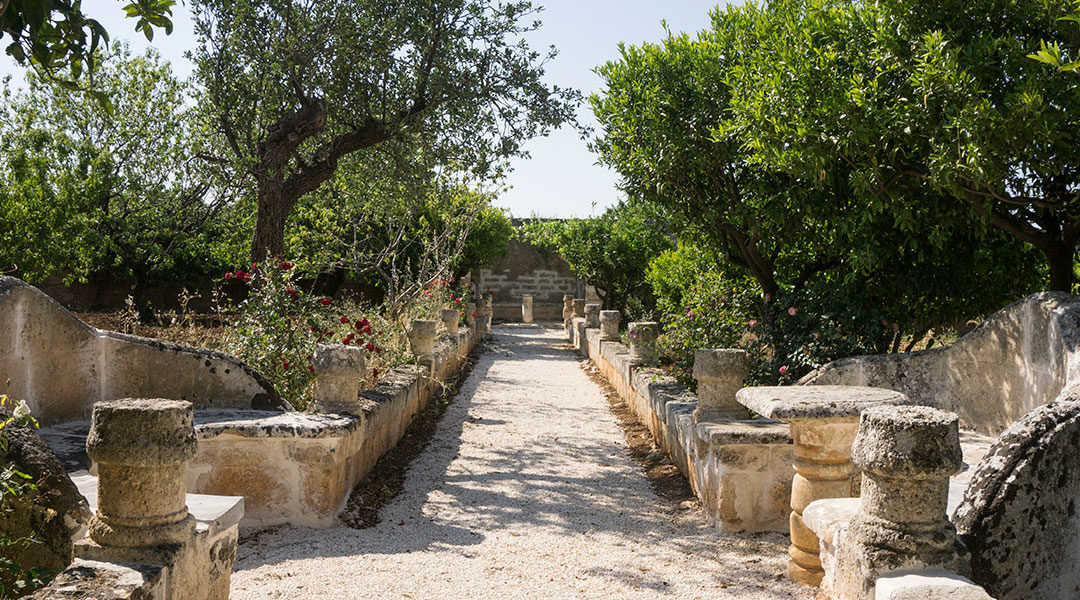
<point x="450" y="318"/>
<point x="906" y="455"/>
<point x="720" y="374"/>
<point x="422" y="340"/>
<point x="470" y="315"/>
<point x="568" y="313"/>
<point x="489" y="313"/>
<point x="609" y="325"/>
<point x="339" y="375"/>
<point x="578" y="307"/>
<point x="592" y="316"/>
<point x="141" y="447"/>
<point x="824" y="420"/>
<point x="526" y="309"/>
<point x="643" y="336"/>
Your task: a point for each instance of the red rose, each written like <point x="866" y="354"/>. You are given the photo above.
<point x="325" y="302"/>
<point x="346" y="341"/>
<point x="311" y="368"/>
<point x="367" y="328"/>
<point x="285" y="365"/>
<point x="369" y="346"/>
<point x="228" y="275"/>
<point x="344" y="319"/>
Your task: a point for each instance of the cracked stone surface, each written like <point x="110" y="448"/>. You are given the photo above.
<point x="526" y="490"/>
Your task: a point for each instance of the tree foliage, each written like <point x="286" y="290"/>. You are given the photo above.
<point x="671" y="126"/>
<point x="61" y="42"/>
<point x="85" y="191"/>
<point x="297" y="85"/>
<point x="921" y="100"/>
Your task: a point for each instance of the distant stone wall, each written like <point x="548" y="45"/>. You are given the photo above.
<point x="528" y="271"/>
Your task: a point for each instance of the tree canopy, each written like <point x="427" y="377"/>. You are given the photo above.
<point x="918" y="98"/>
<point x="294" y="86"/>
<point x="85" y="190"/>
<point x="61" y="42"/>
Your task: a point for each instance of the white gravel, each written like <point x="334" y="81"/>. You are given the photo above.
<point x="526" y="491"/>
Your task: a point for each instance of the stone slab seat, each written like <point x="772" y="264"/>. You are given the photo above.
<point x="1023" y="356"/>
<point x="61" y="366"/>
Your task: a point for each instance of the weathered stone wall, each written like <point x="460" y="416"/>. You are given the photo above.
<point x="527" y="271"/>
<point x="62" y="366"/>
<point x="1020" y="358"/>
<point x="1019" y="517"/>
<point x="740" y="469"/>
<point x="299" y="468"/>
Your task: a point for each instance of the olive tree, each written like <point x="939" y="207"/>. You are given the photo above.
<point x="294" y="86"/>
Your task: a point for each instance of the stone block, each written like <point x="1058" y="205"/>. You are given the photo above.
<point x="928" y="585"/>
<point x="1019" y="516"/>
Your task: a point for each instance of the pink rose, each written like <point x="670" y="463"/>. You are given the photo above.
<point x="783" y="370"/>
<point x="753" y="323"/>
<point x="791" y="311"/>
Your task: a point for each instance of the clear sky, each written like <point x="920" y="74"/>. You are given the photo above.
<point x="561" y="179"/>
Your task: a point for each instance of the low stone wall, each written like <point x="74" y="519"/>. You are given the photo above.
<point x="291" y="467"/>
<point x="741" y="470"/>
<point x="1022" y="357"/>
<point x="299" y="468"/>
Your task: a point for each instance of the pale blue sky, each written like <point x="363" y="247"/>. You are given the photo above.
<point x="561" y="179"/>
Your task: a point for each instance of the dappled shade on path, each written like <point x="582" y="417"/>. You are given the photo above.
<point x="525" y="491"/>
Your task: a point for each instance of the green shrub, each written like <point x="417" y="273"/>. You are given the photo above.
<point x="277" y="328"/>
<point x="785" y="337"/>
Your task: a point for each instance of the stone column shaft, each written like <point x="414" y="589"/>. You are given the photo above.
<point x="141" y="447"/>
<point x="720" y="374"/>
<point x="470" y="315"/>
<point x="822" y="470"/>
<point x="609" y="325"/>
<point x="592" y="316"/>
<point x="339" y="374"/>
<point x="578" y="307"/>
<point x="422" y="340"/>
<point x="906" y="455"/>
<point x="450" y="318"/>
<point x="526" y="309"/>
<point x="643" y="337"/>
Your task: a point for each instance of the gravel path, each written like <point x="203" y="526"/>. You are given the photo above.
<point x="526" y="491"/>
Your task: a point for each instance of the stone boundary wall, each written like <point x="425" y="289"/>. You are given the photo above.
<point x="741" y="470"/>
<point x="527" y="271"/>
<point x="1020" y="358"/>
